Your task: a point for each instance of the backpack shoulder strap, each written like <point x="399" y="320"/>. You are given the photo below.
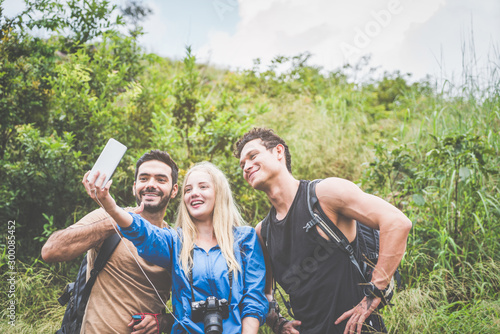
<point x="107" y="248"/>
<point x="327" y="226"/>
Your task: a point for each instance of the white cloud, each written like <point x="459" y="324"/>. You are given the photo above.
<point x="396" y="33"/>
<point x="421" y="37"/>
<point x="156" y="27"/>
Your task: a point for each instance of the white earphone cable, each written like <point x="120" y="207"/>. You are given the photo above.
<point x="135" y="259"/>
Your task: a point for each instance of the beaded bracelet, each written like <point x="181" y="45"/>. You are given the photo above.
<point x="143" y="315"/>
<point x="282" y="324"/>
<point x="274" y="324"/>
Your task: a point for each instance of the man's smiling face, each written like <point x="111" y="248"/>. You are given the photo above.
<point x="153" y="185"/>
<point x="258" y="163"/>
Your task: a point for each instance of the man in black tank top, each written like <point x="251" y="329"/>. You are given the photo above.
<point x="326" y="291"/>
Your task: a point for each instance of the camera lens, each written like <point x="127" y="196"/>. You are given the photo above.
<point x="213" y="323"/>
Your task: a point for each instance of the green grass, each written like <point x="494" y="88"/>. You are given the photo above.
<point x="451" y="269"/>
<point x="448" y="303"/>
<point x="442" y="302"/>
<point x="37" y="308"/>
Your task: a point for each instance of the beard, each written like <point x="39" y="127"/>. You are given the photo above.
<point x="153" y="208"/>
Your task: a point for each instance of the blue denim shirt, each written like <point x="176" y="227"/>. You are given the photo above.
<point x="163" y="246"/>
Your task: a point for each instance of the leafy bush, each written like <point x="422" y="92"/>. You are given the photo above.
<point x="432" y="152"/>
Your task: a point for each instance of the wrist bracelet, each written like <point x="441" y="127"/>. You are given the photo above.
<point x="282" y="324"/>
<point x="274" y="323"/>
<point x="278" y="319"/>
<point x="154" y="315"/>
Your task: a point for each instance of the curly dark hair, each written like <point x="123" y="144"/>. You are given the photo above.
<point x="160" y="156"/>
<point x="269" y="139"/>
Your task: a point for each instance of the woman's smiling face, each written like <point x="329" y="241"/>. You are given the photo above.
<point x="199" y="196"/>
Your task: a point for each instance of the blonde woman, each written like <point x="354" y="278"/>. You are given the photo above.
<point x="212" y="257"/>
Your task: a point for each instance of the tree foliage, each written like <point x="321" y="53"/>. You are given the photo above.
<point x="433" y="155"/>
<point x="80" y="21"/>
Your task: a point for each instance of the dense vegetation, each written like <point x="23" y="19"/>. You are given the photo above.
<point x="433" y="151"/>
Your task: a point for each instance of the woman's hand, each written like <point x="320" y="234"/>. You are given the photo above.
<point x="98" y="192"/>
<point x="101" y="195"/>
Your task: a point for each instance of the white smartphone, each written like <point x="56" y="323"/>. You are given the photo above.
<point x="108" y="160"/>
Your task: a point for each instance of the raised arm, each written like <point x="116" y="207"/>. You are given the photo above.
<point x="100" y="194"/>
<point x="89" y="232"/>
<point x="152" y="243"/>
<point x="344" y="202"/>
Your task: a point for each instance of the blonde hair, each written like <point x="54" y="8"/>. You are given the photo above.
<point x="226" y="217"/>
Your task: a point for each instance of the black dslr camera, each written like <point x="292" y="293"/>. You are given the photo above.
<point x="211" y="311"/>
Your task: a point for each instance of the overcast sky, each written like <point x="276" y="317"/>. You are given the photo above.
<point x="417" y="36"/>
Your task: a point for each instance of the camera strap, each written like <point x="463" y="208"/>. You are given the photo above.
<point x="229" y="275"/>
<point x="283" y="299"/>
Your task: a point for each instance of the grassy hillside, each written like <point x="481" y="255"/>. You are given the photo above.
<point x="432" y="151"/>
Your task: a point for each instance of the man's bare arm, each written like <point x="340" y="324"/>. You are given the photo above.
<point x="343" y="201"/>
<point x="67" y="244"/>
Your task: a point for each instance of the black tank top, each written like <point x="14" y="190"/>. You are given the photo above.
<point x="318" y="276"/>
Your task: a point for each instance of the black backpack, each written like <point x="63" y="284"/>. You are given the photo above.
<point x="364" y="258"/>
<point x="76" y="294"/>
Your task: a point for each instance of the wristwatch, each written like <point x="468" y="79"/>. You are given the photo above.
<point x="371" y="291"/>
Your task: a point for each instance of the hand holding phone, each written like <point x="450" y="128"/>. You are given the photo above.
<point x="108" y="160"/>
<point x="137" y="318"/>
